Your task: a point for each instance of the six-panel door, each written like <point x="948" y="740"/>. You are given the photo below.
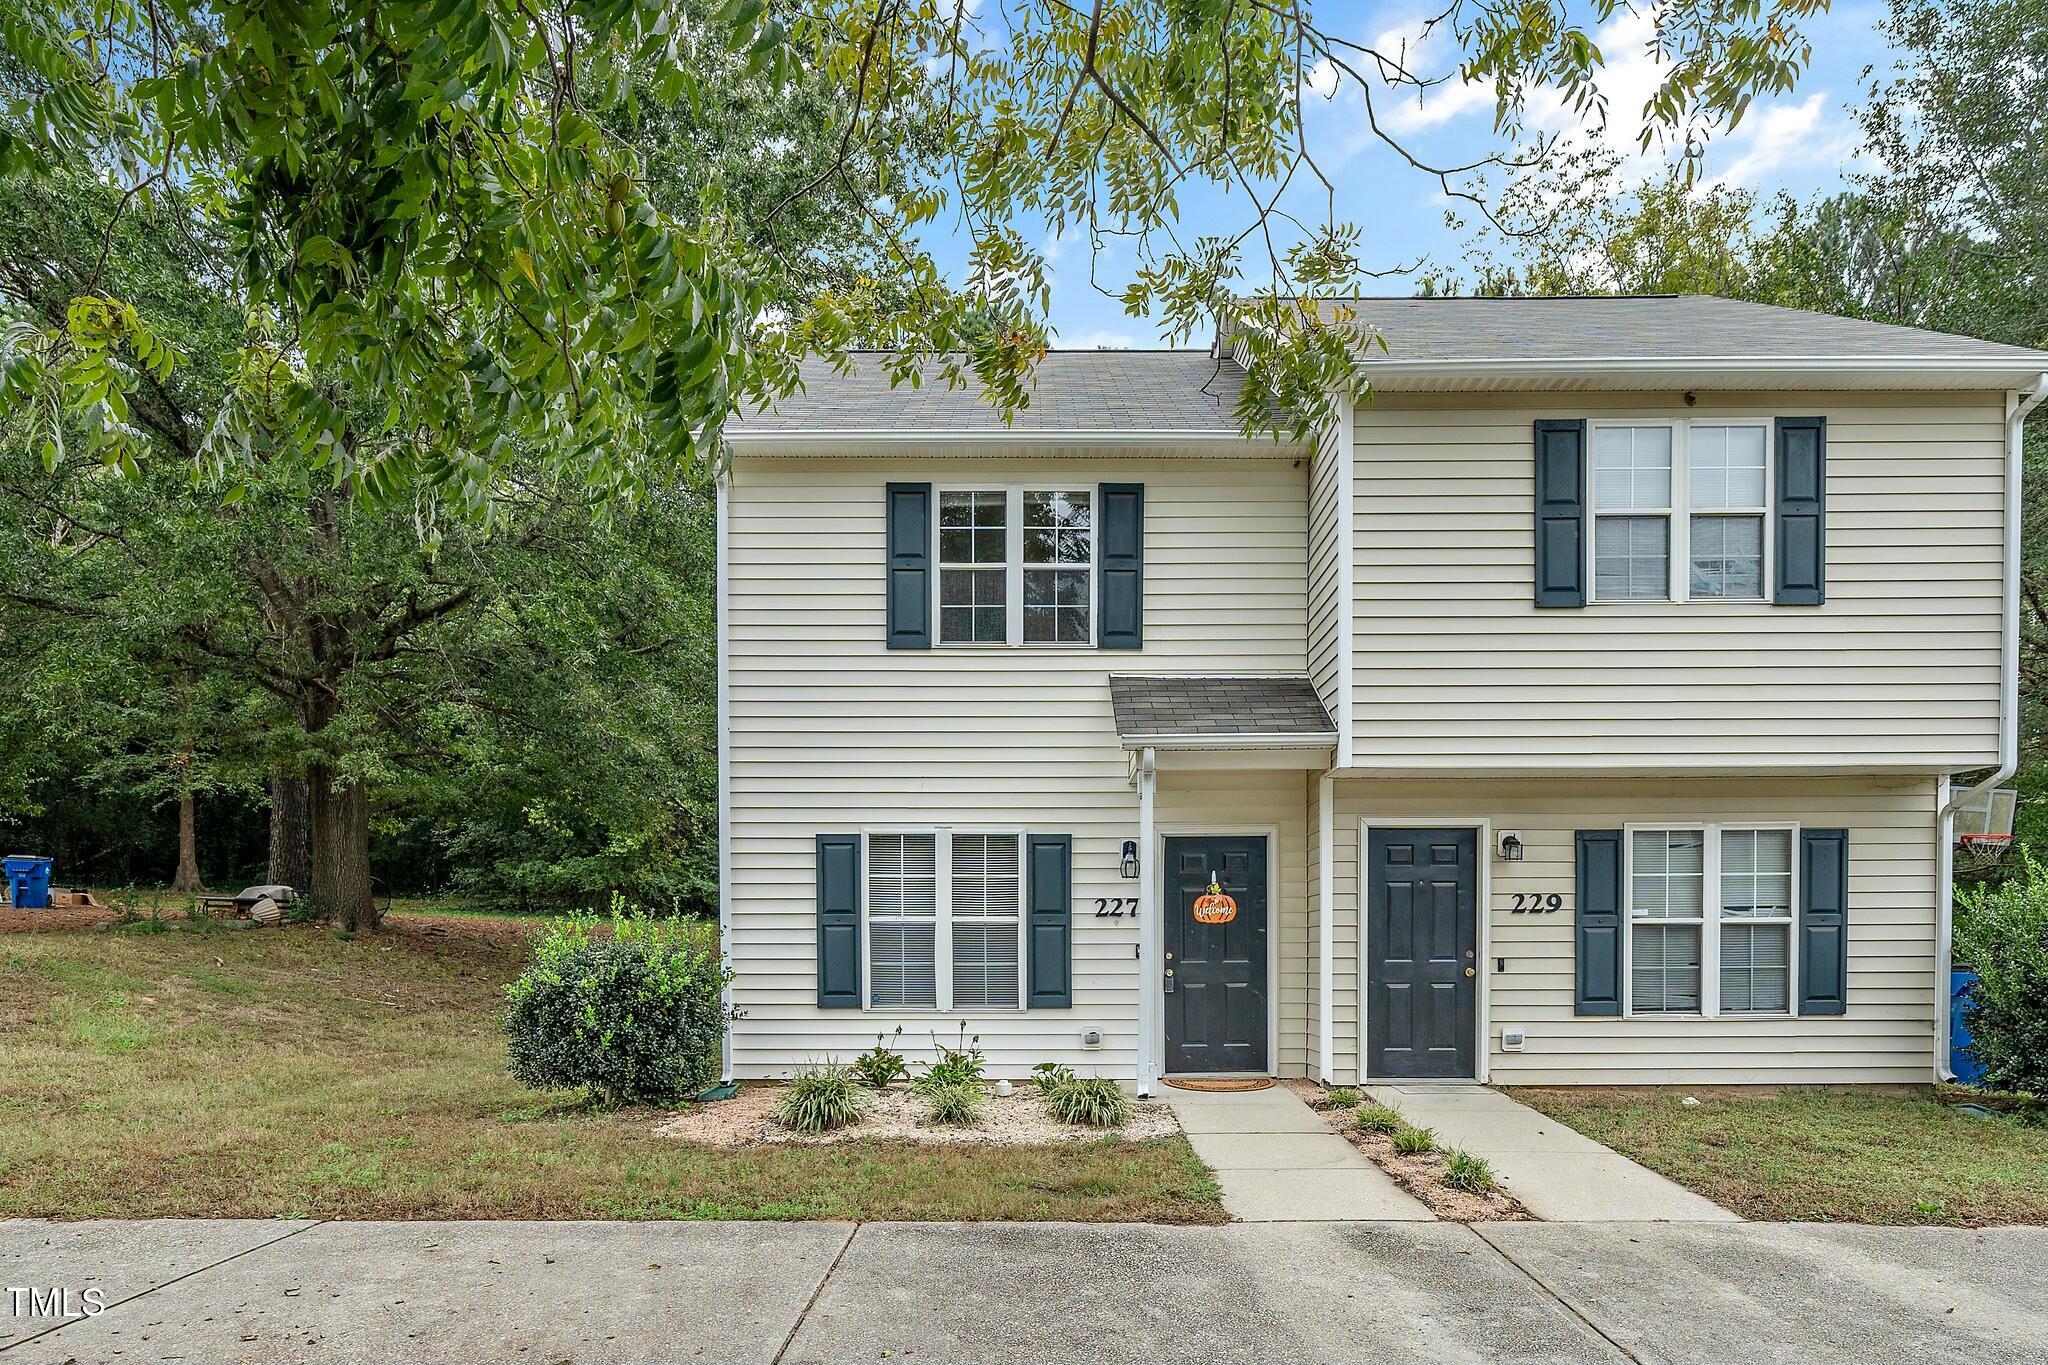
<point x="1421" y="946"/>
<point x="1215" y="990"/>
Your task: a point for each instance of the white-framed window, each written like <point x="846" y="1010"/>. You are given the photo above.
<point x="944" y="920"/>
<point x="1681" y="510"/>
<point x="1710" y="919"/>
<point x="1016" y="566"/>
<point x="974" y="566"/>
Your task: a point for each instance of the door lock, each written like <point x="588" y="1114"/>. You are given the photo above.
<point x="1470" y="972"/>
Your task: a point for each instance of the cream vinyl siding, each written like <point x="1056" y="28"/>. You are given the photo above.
<point x="1325" y="600"/>
<point x="1887" y="1034"/>
<point x="1456" y="668"/>
<point x="831" y="733"/>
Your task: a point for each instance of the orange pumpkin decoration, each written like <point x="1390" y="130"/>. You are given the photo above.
<point x="1215" y="906"/>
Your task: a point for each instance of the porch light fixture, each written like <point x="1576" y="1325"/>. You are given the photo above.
<point x="1511" y="846"/>
<point x="1129" y="866"/>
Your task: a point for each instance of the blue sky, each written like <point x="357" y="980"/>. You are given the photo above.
<point x="1801" y="142"/>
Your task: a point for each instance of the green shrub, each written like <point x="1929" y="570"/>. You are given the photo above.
<point x="956" y="1104"/>
<point x="1096" y="1102"/>
<point x="820" y="1099"/>
<point x="879" y="1066"/>
<point x="2002" y="932"/>
<point x="1377" y="1118"/>
<point x="1046" y="1075"/>
<point x="632" y="1016"/>
<point x="1414" y="1141"/>
<point x="1343" y="1097"/>
<point x="1469" y="1173"/>
<point x="957" y="1065"/>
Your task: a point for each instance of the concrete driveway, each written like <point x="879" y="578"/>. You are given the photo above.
<point x="230" y="1292"/>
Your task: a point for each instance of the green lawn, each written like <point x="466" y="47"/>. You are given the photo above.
<point x="1832" y="1155"/>
<point x="288" y="1072"/>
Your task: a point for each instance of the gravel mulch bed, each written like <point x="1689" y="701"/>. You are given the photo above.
<point x="898" y="1115"/>
<point x="1422" y="1174"/>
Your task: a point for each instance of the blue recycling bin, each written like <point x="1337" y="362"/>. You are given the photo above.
<point x="28" y="881"/>
<point x="1962" y="1060"/>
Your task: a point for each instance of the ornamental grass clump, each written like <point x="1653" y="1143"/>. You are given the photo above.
<point x="1414" y="1141"/>
<point x="1472" y="1174"/>
<point x="629" y="1010"/>
<point x="1343" y="1097"/>
<point x="1377" y="1118"/>
<point x="821" y="1099"/>
<point x="957" y="1105"/>
<point x="1096" y="1102"/>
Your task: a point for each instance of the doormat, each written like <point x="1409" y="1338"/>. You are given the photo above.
<point x="1227" y="1085"/>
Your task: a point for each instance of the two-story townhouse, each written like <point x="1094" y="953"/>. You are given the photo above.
<point x="1583" y="708"/>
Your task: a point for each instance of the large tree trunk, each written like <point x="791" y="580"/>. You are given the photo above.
<point x="188" y="845"/>
<point x="291" y="850"/>
<point x="340" y="811"/>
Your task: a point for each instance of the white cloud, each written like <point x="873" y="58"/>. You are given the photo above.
<point x="1100" y="339"/>
<point x="1787" y="135"/>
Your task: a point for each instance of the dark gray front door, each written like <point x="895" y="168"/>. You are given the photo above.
<point x="1421" y="946"/>
<point x="1215" y="986"/>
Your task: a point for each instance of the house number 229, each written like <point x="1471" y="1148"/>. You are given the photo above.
<point x="1115" y="907"/>
<point x="1535" y="903"/>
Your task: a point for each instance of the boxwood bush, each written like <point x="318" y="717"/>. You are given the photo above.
<point x="626" y="1009"/>
<point x="2002" y="932"/>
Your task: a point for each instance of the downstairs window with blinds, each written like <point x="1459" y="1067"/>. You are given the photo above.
<point x="1710" y="920"/>
<point x="943" y="919"/>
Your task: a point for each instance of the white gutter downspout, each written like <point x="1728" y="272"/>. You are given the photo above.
<point x="1150" y="979"/>
<point x="724" y="635"/>
<point x="1326" y="924"/>
<point x="2018" y="405"/>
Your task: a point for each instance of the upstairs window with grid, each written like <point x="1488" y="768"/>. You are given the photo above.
<point x="974" y="574"/>
<point x="1059" y="567"/>
<point x="1680" y="511"/>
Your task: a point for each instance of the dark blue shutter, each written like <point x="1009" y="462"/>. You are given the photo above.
<point x="1561" y="514"/>
<point x="1049" y="919"/>
<point x="910" y="565"/>
<point x="1597" y="930"/>
<point x="1824" y="921"/>
<point x="1802" y="503"/>
<point x="1120" y="575"/>
<point x="838" y="921"/>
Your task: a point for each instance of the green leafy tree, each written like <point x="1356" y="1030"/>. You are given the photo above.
<point x="435" y="206"/>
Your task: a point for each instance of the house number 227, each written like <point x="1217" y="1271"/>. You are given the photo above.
<point x="1115" y="907"/>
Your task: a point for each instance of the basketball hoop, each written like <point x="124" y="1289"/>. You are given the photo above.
<point x="1984" y="850"/>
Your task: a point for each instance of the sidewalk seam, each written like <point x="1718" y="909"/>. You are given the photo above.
<point x="812" y="1302"/>
<point x="176" y="1279"/>
<point x="1555" y="1297"/>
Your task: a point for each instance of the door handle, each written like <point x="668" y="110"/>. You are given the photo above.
<point x="1169" y="981"/>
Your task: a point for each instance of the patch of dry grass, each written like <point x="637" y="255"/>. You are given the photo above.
<point x="288" y="1072"/>
<point x="1833" y="1155"/>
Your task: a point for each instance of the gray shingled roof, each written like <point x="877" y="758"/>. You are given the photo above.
<point x="1177" y="391"/>
<point x="1156" y="705"/>
<point x="1653" y="327"/>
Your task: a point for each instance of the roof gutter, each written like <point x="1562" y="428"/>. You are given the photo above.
<point x="1326" y="739"/>
<point x="2018" y="406"/>
<point x="1995" y="370"/>
<point x="872" y="441"/>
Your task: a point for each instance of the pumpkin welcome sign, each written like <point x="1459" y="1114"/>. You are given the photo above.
<point x="1215" y="906"/>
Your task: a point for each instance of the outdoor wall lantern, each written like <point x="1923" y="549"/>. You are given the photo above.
<point x="1511" y="846"/>
<point x="1129" y="867"/>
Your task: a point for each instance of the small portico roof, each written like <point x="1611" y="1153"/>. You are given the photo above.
<point x="1209" y="711"/>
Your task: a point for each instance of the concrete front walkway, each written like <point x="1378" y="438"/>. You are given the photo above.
<point x="1278" y="1162"/>
<point x="1559" y="1174"/>
<point x="272" y="1293"/>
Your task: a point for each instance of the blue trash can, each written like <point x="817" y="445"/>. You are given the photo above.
<point x="1961" y="1059"/>
<point x="28" y="881"/>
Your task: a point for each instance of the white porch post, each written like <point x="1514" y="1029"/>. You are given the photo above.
<point x="1326" y="920"/>
<point x="1149" y="1003"/>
